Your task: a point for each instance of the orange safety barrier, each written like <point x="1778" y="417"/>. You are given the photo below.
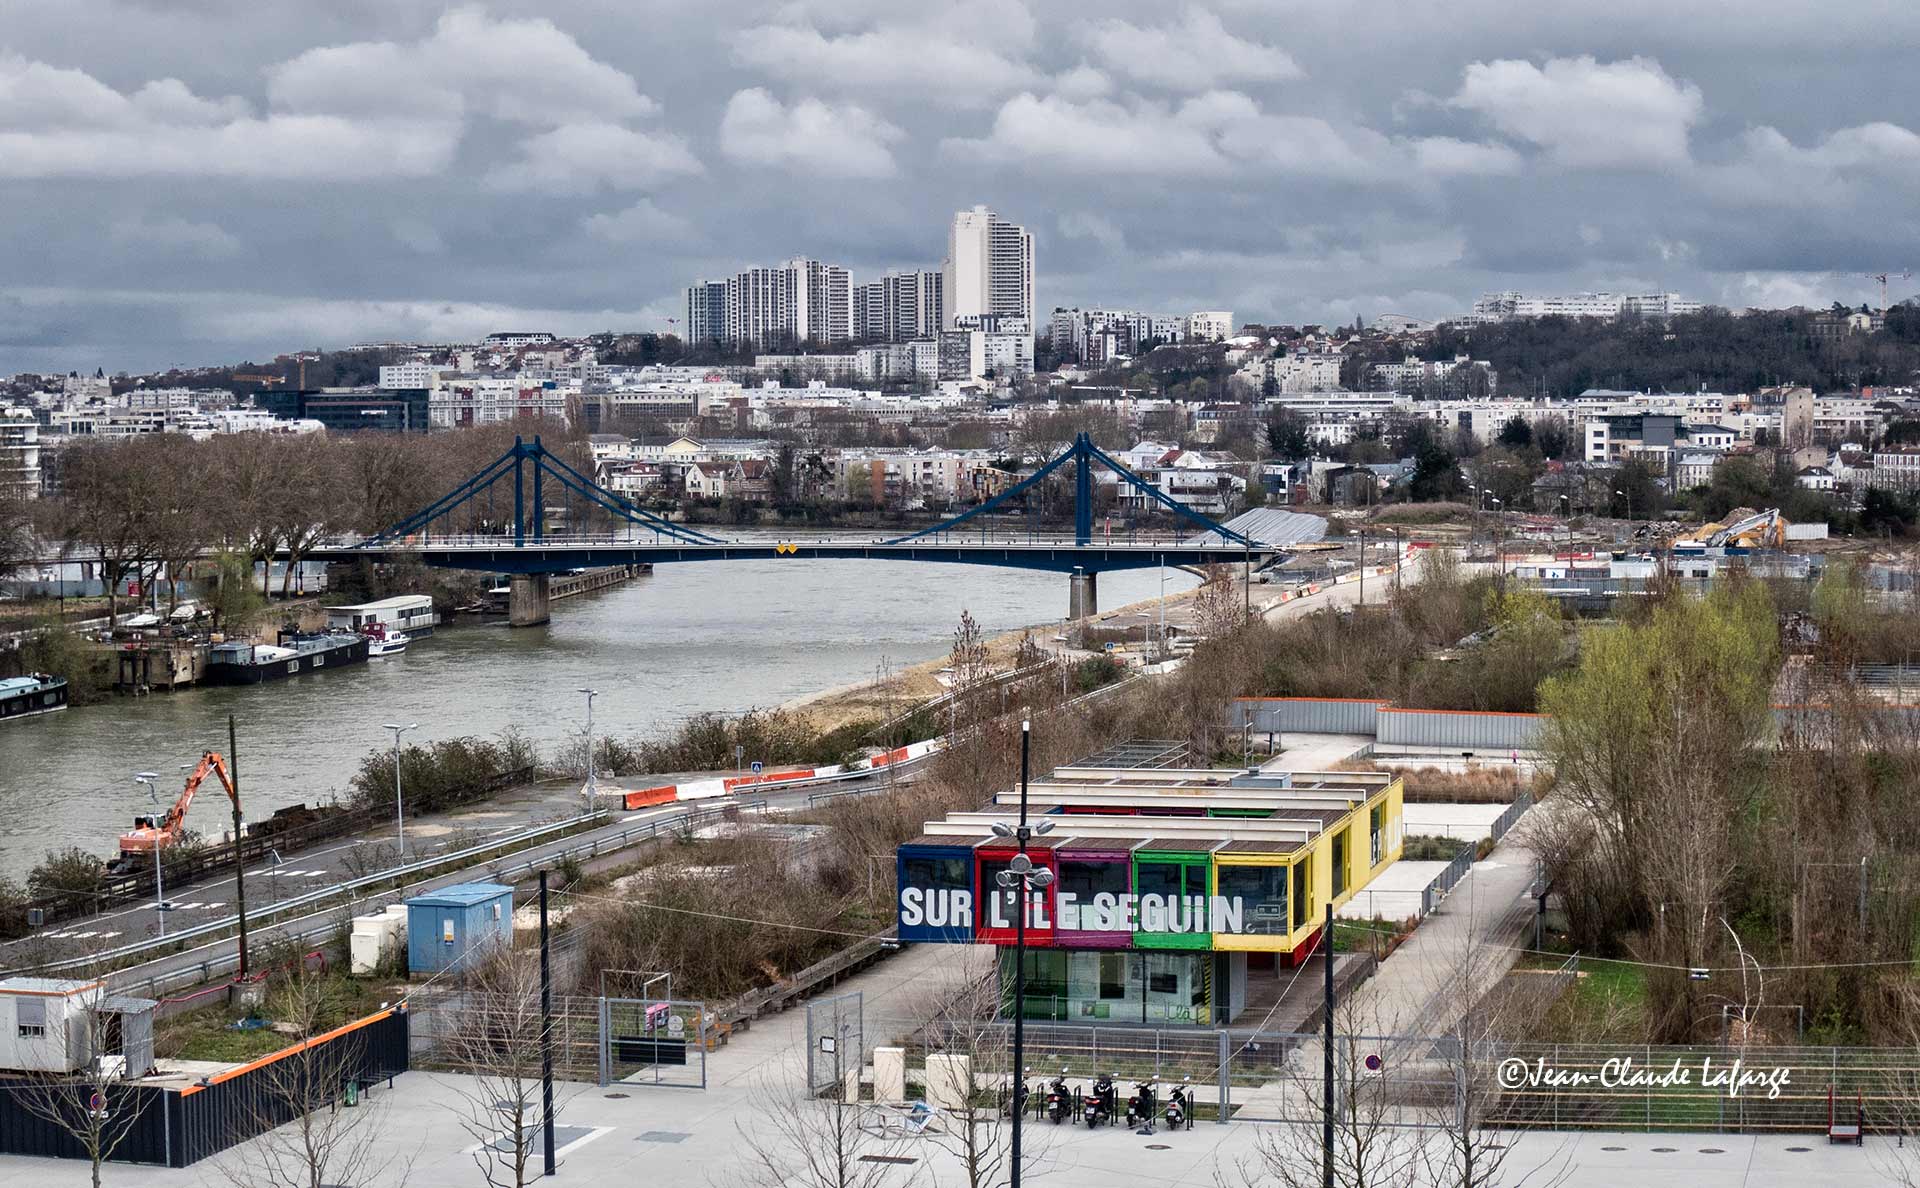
<point x="897" y="755"/>
<point x="769" y="777"/>
<point x="651" y="796"/>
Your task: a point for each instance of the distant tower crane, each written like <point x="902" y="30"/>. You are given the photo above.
<point x="1883" y="278"/>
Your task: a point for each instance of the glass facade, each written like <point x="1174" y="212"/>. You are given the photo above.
<point x="1079" y="986"/>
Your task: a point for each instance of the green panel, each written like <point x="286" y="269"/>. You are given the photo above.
<point x="1226" y="812"/>
<point x="1189" y="876"/>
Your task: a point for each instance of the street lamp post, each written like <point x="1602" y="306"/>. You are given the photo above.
<point x="1021" y="878"/>
<point x="593" y="789"/>
<point x="146" y="778"/>
<point x="399" y="811"/>
<point x="1629" y="499"/>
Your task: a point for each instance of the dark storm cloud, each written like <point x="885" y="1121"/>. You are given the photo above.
<point x="201" y="180"/>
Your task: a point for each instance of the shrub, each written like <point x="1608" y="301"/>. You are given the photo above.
<point x="71" y="871"/>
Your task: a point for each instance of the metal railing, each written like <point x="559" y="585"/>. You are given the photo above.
<point x="215" y="965"/>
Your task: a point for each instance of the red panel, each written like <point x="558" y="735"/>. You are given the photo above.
<point x="993" y="907"/>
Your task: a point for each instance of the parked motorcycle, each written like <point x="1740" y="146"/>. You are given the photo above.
<point x="1140" y="1105"/>
<point x="1059" y="1099"/>
<point x="1180" y="1106"/>
<point x="1098" y="1105"/>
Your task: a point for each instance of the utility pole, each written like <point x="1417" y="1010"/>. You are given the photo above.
<point x="593" y="788"/>
<point x="546" y="1033"/>
<point x="239" y="871"/>
<point x="1326" y="1124"/>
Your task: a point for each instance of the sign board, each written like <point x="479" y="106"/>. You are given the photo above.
<point x="657" y="1013"/>
<point x="827" y="1044"/>
<point x="757" y="765"/>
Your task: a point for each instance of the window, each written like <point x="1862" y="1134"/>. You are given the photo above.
<point x="1113" y="974"/>
<point x="1373" y="821"/>
<point x="31" y="1016"/>
<point x="1300" y="892"/>
<point x="1262" y="892"/>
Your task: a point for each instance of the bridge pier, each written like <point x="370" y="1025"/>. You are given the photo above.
<point x="1083" y="594"/>
<point x="527" y="600"/>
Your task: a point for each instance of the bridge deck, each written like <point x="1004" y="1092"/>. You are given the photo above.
<point x="558" y="554"/>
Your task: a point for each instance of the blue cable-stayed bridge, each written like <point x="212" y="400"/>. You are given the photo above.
<point x="461" y="530"/>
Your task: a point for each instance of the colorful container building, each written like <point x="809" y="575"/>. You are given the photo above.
<point x="1180" y="895"/>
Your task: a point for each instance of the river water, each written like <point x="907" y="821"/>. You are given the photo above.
<point x="684" y="639"/>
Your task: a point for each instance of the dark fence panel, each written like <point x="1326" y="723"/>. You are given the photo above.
<point x="255" y="1099"/>
<point x="179" y="1127"/>
<point x="23" y="1132"/>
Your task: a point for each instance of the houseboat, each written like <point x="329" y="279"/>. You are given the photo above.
<point x="35" y="693"/>
<point x="412" y="614"/>
<point x="251" y="664"/>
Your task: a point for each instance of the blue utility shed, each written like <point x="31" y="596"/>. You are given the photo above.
<point x="445" y="927"/>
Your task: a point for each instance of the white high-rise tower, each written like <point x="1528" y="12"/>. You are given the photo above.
<point x="988" y="270"/>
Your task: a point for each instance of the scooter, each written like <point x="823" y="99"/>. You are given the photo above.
<point x="1017" y="1103"/>
<point x="1059" y="1099"/>
<point x="1098" y="1104"/>
<point x="1140" y="1105"/>
<point x="1180" y="1107"/>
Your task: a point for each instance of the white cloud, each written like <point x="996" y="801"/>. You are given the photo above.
<point x="524" y="71"/>
<point x="1198" y="54"/>
<point x="172" y="234"/>
<point x="957" y="63"/>
<point x="1444" y="156"/>
<point x="643" y="222"/>
<point x="347" y="112"/>
<point x="1587" y="114"/>
<point x="589" y="157"/>
<point x="1082" y="82"/>
<point x="844" y="140"/>
<point x="1084" y="224"/>
<point x="1217" y="134"/>
<point x="1767" y="169"/>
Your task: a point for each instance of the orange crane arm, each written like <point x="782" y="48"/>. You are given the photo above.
<point x="148" y="838"/>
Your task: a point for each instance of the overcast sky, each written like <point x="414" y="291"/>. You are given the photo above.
<point x="196" y="181"/>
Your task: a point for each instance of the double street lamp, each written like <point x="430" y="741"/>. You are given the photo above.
<point x="1021" y="879"/>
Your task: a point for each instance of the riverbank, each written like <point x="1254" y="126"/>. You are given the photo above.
<point x="682" y="641"/>
<point x="885" y="695"/>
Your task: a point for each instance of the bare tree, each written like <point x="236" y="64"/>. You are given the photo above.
<point x="1372" y="1147"/>
<point x="95" y="1106"/>
<point x="803" y="1141"/>
<point x="497" y="1044"/>
<point x="979" y="1133"/>
<point x="303" y="1139"/>
<point x="105" y="512"/>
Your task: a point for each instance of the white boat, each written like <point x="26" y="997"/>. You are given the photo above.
<point x="186" y="612"/>
<point x="143" y="619"/>
<point x="388" y="645"/>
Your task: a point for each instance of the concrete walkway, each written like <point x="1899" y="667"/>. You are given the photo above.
<point x="1467" y="944"/>
<point x="897" y="994"/>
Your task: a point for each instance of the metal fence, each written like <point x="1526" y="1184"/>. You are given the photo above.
<point x="1306" y="715"/>
<point x="1458" y="730"/>
<point x="1433" y="1081"/>
<point x="836" y="1039"/>
<point x="653" y="1041"/>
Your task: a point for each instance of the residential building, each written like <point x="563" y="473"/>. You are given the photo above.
<point x="1896" y="468"/>
<point x="1500" y="307"/>
<point x="988" y="269"/>
<point x="1215" y="325"/>
<point x="797" y="301"/>
<point x="413" y="374"/>
<point x="706" y="319"/>
<point x="898" y="307"/>
<point x="19" y="452"/>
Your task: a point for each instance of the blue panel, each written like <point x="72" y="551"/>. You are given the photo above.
<point x="934" y="894"/>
